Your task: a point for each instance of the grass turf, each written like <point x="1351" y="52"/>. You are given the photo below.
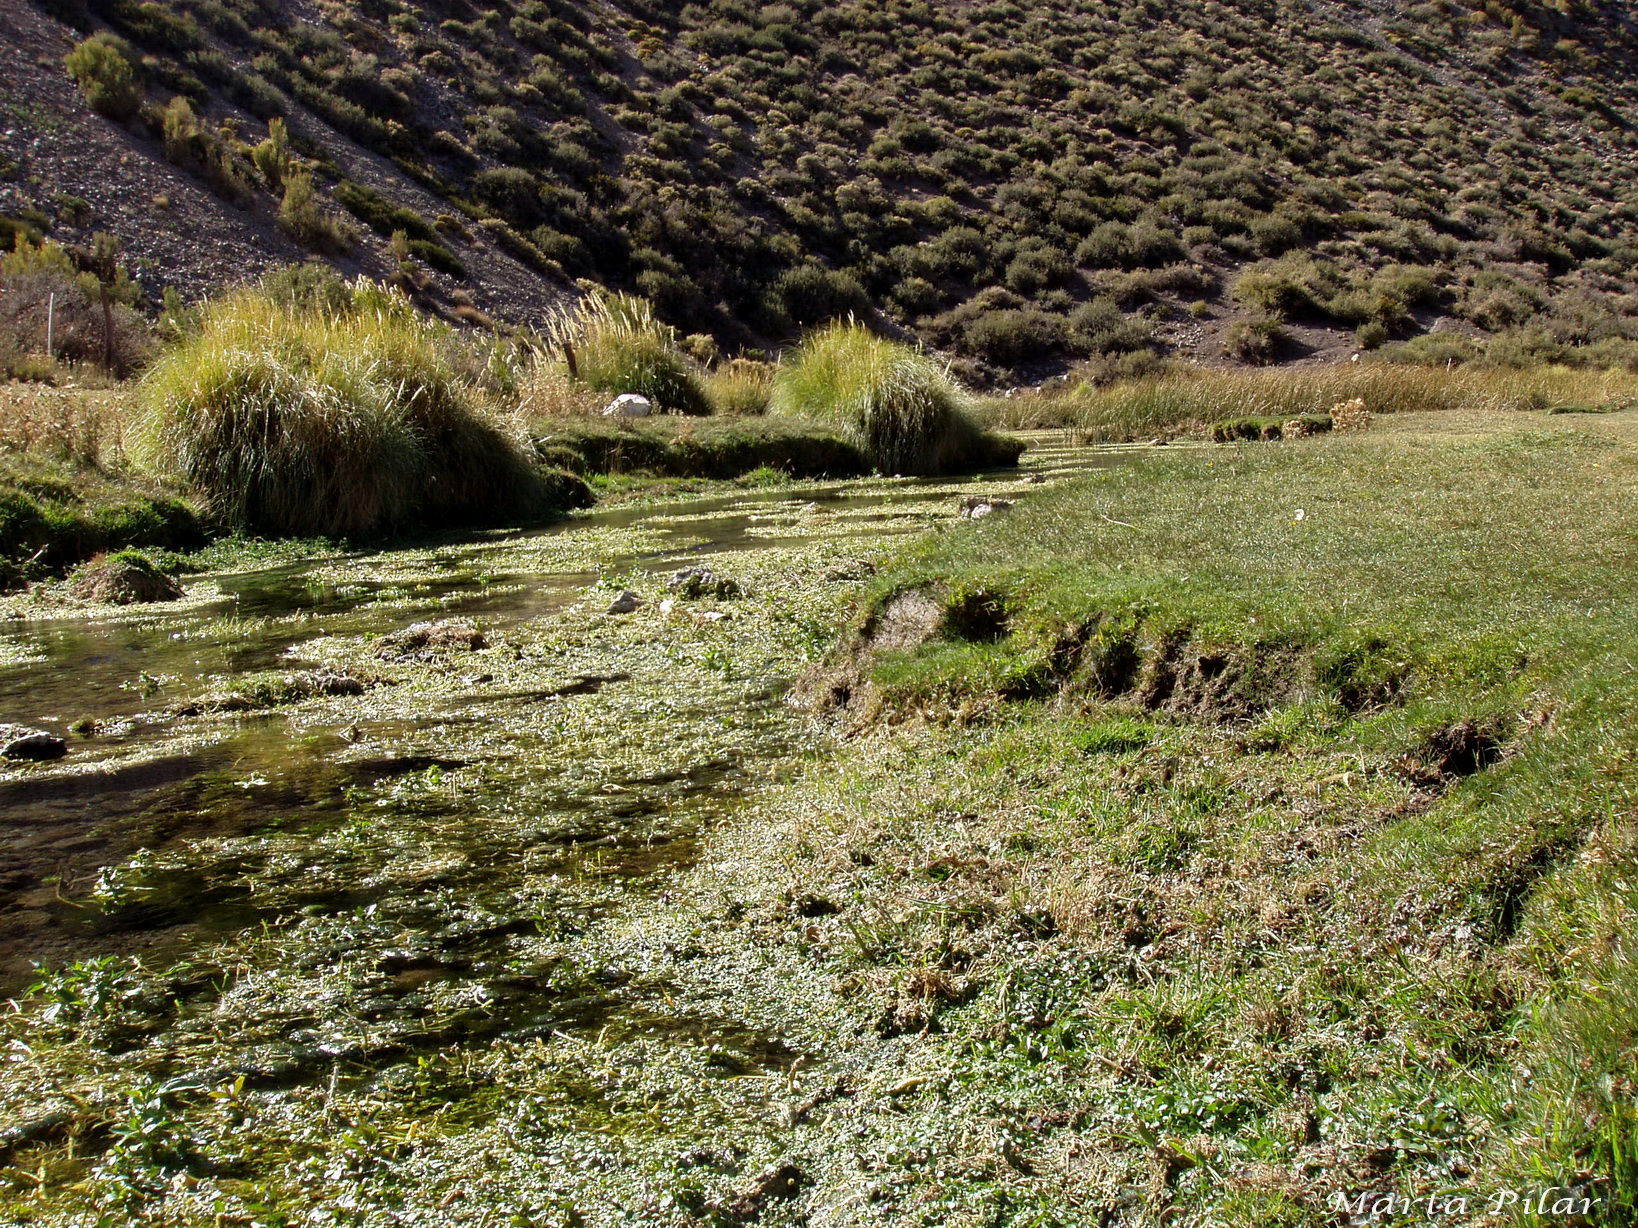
<point x="1268" y="844"/>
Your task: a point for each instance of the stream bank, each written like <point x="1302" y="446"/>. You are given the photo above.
<point x="356" y="829"/>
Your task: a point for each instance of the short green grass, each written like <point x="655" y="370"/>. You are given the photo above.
<point x="1182" y="868"/>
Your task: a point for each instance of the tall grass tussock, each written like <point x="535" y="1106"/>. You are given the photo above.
<point x="614" y="344"/>
<point x="348" y="421"/>
<point x="897" y="405"/>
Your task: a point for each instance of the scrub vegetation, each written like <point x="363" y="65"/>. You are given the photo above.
<point x="1023" y="185"/>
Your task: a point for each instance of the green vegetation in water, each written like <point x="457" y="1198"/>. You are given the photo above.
<point x="58" y="512"/>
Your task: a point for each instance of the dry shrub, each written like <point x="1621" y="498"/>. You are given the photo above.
<point x="71" y="424"/>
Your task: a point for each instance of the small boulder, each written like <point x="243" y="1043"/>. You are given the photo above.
<point x="976" y="507"/>
<point x="625" y="603"/>
<point x="425" y="641"/>
<point x="126" y="578"/>
<point x="21" y="742"/>
<point x="628" y="405"/>
<point x="701" y="582"/>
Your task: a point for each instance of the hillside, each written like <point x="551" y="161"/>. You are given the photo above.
<point x="1017" y="184"/>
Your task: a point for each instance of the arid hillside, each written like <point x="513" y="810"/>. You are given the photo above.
<point x="1018" y="184"/>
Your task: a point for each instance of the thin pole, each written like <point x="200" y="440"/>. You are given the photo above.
<point x="51" y="326"/>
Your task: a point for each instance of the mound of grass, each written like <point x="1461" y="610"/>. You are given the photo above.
<point x="614" y="344"/>
<point x="1230" y="429"/>
<point x="741" y="387"/>
<point x="896" y="405"/>
<point x="55" y="513"/>
<point x="307" y="422"/>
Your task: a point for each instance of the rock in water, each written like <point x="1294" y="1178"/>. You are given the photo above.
<point x="625" y="603"/>
<point x="124" y="579"/>
<point x="21" y="742"/>
<point x="429" y="640"/>
<point x="701" y="582"/>
<point x="628" y="405"/>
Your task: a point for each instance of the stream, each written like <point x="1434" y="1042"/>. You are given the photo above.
<point x="298" y="850"/>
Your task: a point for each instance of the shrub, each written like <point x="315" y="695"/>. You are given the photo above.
<point x="1371" y="335"/>
<point x="897" y="405"/>
<point x="304" y="221"/>
<point x="1036" y="270"/>
<point x="33" y="275"/>
<point x="1011" y="338"/>
<point x="1100" y="327"/>
<point x="1255" y="341"/>
<point x="104" y="69"/>
<point x="304" y="287"/>
<point x="272" y="157"/>
<point x="309" y="422"/>
<point x="811" y="294"/>
<point x="614" y="344"/>
<point x="380" y="214"/>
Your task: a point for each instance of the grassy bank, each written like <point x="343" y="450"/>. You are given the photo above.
<point x="66" y="490"/>
<point x="1269" y="840"/>
<point x="1187" y="399"/>
<point x="677" y="447"/>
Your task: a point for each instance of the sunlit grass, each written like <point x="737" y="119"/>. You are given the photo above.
<point x="1189" y="399"/>
<point x="317" y="422"/>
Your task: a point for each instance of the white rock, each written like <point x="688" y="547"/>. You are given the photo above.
<point x="628" y="405"/>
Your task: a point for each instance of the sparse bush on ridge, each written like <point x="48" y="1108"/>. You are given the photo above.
<point x="899" y="406"/>
<point x="104" y="67"/>
<point x="1254" y="341"/>
<point x="331" y="422"/>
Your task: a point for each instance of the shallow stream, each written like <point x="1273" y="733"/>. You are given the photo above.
<point x="233" y="877"/>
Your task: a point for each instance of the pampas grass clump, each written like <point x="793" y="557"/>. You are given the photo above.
<point x="614" y="344"/>
<point x="897" y="405"/>
<point x="334" y="422"/>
